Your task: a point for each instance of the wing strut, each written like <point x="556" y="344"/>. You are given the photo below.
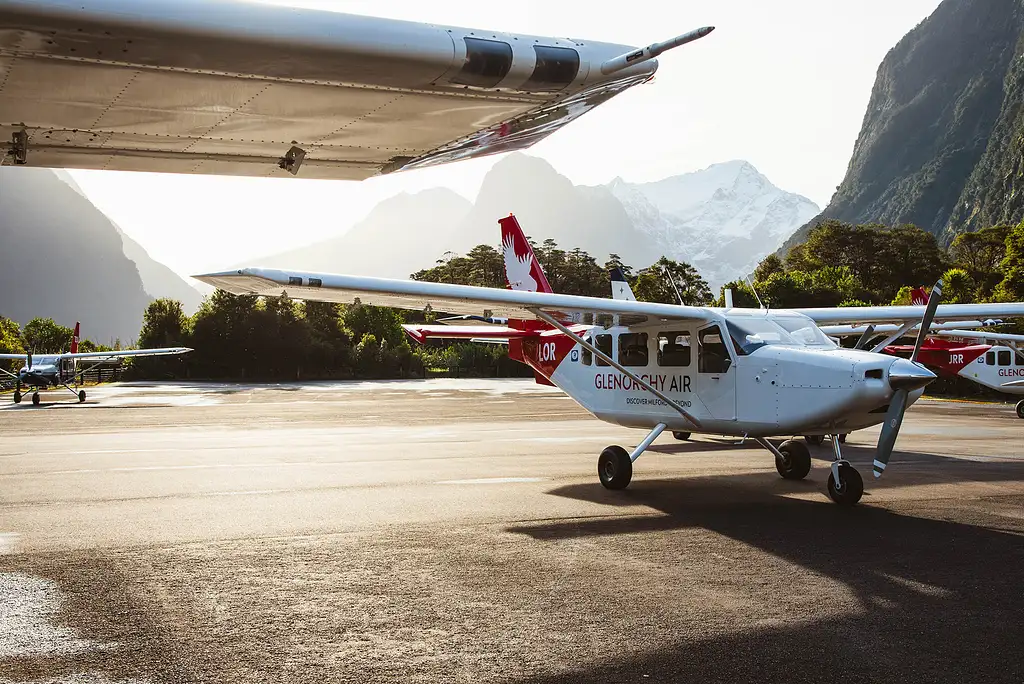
<point x="607" y="359"/>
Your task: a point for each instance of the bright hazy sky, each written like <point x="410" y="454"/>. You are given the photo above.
<point x="782" y="84"/>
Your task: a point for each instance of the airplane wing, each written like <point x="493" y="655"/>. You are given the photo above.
<point x="895" y="314"/>
<point x="936" y="328"/>
<point x="13" y="357"/>
<point x="418" y="295"/>
<point x="244" y="88"/>
<point x="980" y="335"/>
<point x="127" y="353"/>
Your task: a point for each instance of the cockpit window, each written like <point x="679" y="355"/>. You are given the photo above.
<point x="750" y="334"/>
<point x="804" y="331"/>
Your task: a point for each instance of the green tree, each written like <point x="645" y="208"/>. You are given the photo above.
<point x="981" y="254"/>
<point x="1011" y="288"/>
<point x="10" y="341"/>
<point x="42" y="335"/>
<point x="769" y="265"/>
<point x="653" y="285"/>
<point x="957" y="287"/>
<point x="380" y="322"/>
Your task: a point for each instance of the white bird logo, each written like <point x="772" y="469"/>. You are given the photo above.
<point x="518" y="269"/>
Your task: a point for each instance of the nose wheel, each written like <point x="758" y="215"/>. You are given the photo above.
<point x="17" y="396"/>
<point x="850" y="486"/>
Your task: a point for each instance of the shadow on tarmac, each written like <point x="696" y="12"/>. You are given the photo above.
<point x="942" y="600"/>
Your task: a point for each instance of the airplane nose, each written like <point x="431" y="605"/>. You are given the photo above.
<point x="906" y="375"/>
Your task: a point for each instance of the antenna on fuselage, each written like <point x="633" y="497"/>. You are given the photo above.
<point x="728" y="298"/>
<point x="673" y="281"/>
<point x="754" y="290"/>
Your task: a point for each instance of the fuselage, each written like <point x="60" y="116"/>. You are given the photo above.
<point x="749" y="372"/>
<point x="991" y="366"/>
<point x="44" y="372"/>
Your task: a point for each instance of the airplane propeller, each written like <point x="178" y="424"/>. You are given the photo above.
<point x="28" y="360"/>
<point x="904" y="378"/>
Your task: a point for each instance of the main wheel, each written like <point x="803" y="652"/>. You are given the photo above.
<point x="614" y="468"/>
<point x="683" y="436"/>
<point x="81" y="396"/>
<point x="795" y="462"/>
<point x="1020" y="409"/>
<point x="814" y="440"/>
<point x="852" y="488"/>
<point x="17" y="396"/>
<point x="35" y="398"/>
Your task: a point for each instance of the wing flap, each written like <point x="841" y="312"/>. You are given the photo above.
<point x="893" y="314"/>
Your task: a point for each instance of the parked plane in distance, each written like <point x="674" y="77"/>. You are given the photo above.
<point x="42" y="371"/>
<point x="247" y="88"/>
<point x="748" y="373"/>
<point x="954" y="351"/>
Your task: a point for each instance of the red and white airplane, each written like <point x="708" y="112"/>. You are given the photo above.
<point x="993" y="360"/>
<point x="42" y="371"/>
<point x="750" y="373"/>
<point x="246" y="88"/>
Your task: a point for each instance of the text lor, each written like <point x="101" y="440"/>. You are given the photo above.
<point x="662" y="383"/>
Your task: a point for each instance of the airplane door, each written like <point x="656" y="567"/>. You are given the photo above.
<point x="716" y="375"/>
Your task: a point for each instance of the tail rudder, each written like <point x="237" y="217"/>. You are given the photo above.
<point x="919" y="296"/>
<point x="620" y="286"/>
<point x="74" y="338"/>
<point x="522" y="270"/>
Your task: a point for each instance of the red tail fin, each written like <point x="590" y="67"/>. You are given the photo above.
<point x="918" y="296"/>
<point x="74" y="339"/>
<point x="522" y="270"/>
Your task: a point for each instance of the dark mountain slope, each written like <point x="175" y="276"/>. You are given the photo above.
<point x="936" y="100"/>
<point x="60" y="257"/>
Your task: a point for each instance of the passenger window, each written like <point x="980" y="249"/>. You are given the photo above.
<point x="633" y="349"/>
<point x="990" y="359"/>
<point x="712" y="357"/>
<point x="588" y="356"/>
<point x="487" y="63"/>
<point x="604" y="345"/>
<point x="1004" y="357"/>
<point x="674" y="348"/>
<point x="1020" y="358"/>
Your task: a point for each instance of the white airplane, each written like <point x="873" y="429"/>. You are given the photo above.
<point x="61" y="370"/>
<point x="245" y="88"/>
<point x="748" y="373"/>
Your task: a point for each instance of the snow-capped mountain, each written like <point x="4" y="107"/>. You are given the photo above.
<point x="723" y="219"/>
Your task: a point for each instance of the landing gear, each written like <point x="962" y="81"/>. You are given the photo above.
<point x="842" y="439"/>
<point x="845" y="485"/>
<point x="683" y="436"/>
<point x="850" y="487"/>
<point x="614" y="468"/>
<point x="615" y="465"/>
<point x="81" y="396"/>
<point x="814" y="440"/>
<point x="793" y="460"/>
<point x="17" y="396"/>
<point x="35" y="398"/>
<point x="1020" y="409"/>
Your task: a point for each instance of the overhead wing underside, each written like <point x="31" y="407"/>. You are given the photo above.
<point x="447" y="298"/>
<point x="240" y="88"/>
<point x="896" y="314"/>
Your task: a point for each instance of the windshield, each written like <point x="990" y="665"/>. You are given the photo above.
<point x="753" y="333"/>
<point x="804" y="331"/>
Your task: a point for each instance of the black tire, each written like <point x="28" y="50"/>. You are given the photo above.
<point x="17" y="396"/>
<point x="1020" y="409"/>
<point x="681" y="436"/>
<point x="814" y="440"/>
<point x="35" y="398"/>
<point x="853" y="486"/>
<point x="614" y="468"/>
<point x="795" y="462"/>
<point x="81" y="396"/>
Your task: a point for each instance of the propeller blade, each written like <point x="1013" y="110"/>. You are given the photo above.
<point x="890" y="430"/>
<point x="862" y="343"/>
<point x="929" y="314"/>
<point x="28" y="361"/>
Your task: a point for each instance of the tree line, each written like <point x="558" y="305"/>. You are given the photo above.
<point x="275" y="338"/>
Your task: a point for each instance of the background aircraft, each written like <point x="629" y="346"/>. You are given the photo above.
<point x="742" y="372"/>
<point x="42" y="371"/>
<point x="245" y="88"/>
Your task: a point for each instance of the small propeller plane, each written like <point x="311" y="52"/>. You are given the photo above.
<point x="750" y="373"/>
<point x="43" y="371"/>
<point x="229" y="87"/>
<point x="991" y="359"/>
